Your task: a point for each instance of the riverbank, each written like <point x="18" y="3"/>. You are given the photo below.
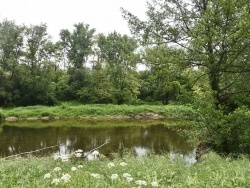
<point x="128" y="171"/>
<point x="102" y="112"/>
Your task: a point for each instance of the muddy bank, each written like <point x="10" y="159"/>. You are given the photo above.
<point x="150" y="115"/>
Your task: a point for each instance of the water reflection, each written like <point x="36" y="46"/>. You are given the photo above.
<point x="140" y="139"/>
<point x="139" y="151"/>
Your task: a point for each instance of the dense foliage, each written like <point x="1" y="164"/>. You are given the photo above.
<point x="195" y="52"/>
<point x="86" y="67"/>
<point x="81" y="66"/>
<point x="214" y="37"/>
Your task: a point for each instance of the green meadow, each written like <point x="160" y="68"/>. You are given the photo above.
<point x="126" y="172"/>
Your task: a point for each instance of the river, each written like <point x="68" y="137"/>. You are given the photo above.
<point x="140" y="139"/>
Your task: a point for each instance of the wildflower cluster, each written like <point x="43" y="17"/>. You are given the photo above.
<point x="57" y="177"/>
<point x="126" y="177"/>
<point x="78" y="153"/>
<point x="60" y="176"/>
<point x="63" y="158"/>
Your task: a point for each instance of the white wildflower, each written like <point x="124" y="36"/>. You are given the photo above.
<point x="65" y="158"/>
<point x="73" y="168"/>
<point x="141" y="182"/>
<point x="123" y="164"/>
<point x="79" y="166"/>
<point x="155" y="184"/>
<point x="57" y="169"/>
<point x="65" y="178"/>
<point x="78" y="154"/>
<point x="95" y="153"/>
<point x="95" y="175"/>
<point x="114" y="176"/>
<point x="110" y="165"/>
<point x="55" y="181"/>
<point x="129" y="179"/>
<point x="126" y="175"/>
<point x="48" y="175"/>
<point x="79" y="151"/>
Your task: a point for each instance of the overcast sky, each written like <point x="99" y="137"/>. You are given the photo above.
<point x="103" y="15"/>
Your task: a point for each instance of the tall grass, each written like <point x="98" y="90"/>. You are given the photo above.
<point x="152" y="170"/>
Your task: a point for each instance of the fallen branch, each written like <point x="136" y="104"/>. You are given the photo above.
<point x="86" y="155"/>
<point x="29" y="152"/>
<point x="95" y="149"/>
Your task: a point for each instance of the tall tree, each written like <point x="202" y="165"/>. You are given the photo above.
<point x="78" y="44"/>
<point x="38" y="67"/>
<point x="99" y="87"/>
<point x="165" y="67"/>
<point x="78" y="47"/>
<point x="11" y="42"/>
<point x="37" y="39"/>
<point x="118" y="51"/>
<point x="214" y="33"/>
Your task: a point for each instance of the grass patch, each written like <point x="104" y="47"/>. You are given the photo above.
<point x="67" y="110"/>
<point x="150" y="171"/>
<point x="87" y="123"/>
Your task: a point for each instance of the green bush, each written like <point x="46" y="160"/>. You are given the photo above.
<point x="237" y="131"/>
<point x="227" y="133"/>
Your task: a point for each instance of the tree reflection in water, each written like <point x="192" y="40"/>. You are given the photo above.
<point x="140" y="139"/>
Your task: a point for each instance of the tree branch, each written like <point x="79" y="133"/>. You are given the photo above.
<point x="29" y="152"/>
<point x="95" y="149"/>
<point x="86" y="155"/>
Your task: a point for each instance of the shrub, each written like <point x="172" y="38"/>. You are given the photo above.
<point x="227" y="133"/>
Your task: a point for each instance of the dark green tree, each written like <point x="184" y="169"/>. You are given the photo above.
<point x="37" y="86"/>
<point x="11" y="42"/>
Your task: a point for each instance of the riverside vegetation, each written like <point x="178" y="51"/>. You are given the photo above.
<point x="127" y="171"/>
<point x="68" y="110"/>
<point x="150" y="170"/>
<point x="196" y="55"/>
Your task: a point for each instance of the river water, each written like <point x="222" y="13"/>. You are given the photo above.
<point x="139" y="139"/>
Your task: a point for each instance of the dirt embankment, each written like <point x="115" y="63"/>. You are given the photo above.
<point x="139" y="116"/>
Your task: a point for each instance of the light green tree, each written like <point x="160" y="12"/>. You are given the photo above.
<point x="118" y="52"/>
<point x="165" y="78"/>
<point x="99" y="87"/>
<point x="78" y="48"/>
<point x="78" y="44"/>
